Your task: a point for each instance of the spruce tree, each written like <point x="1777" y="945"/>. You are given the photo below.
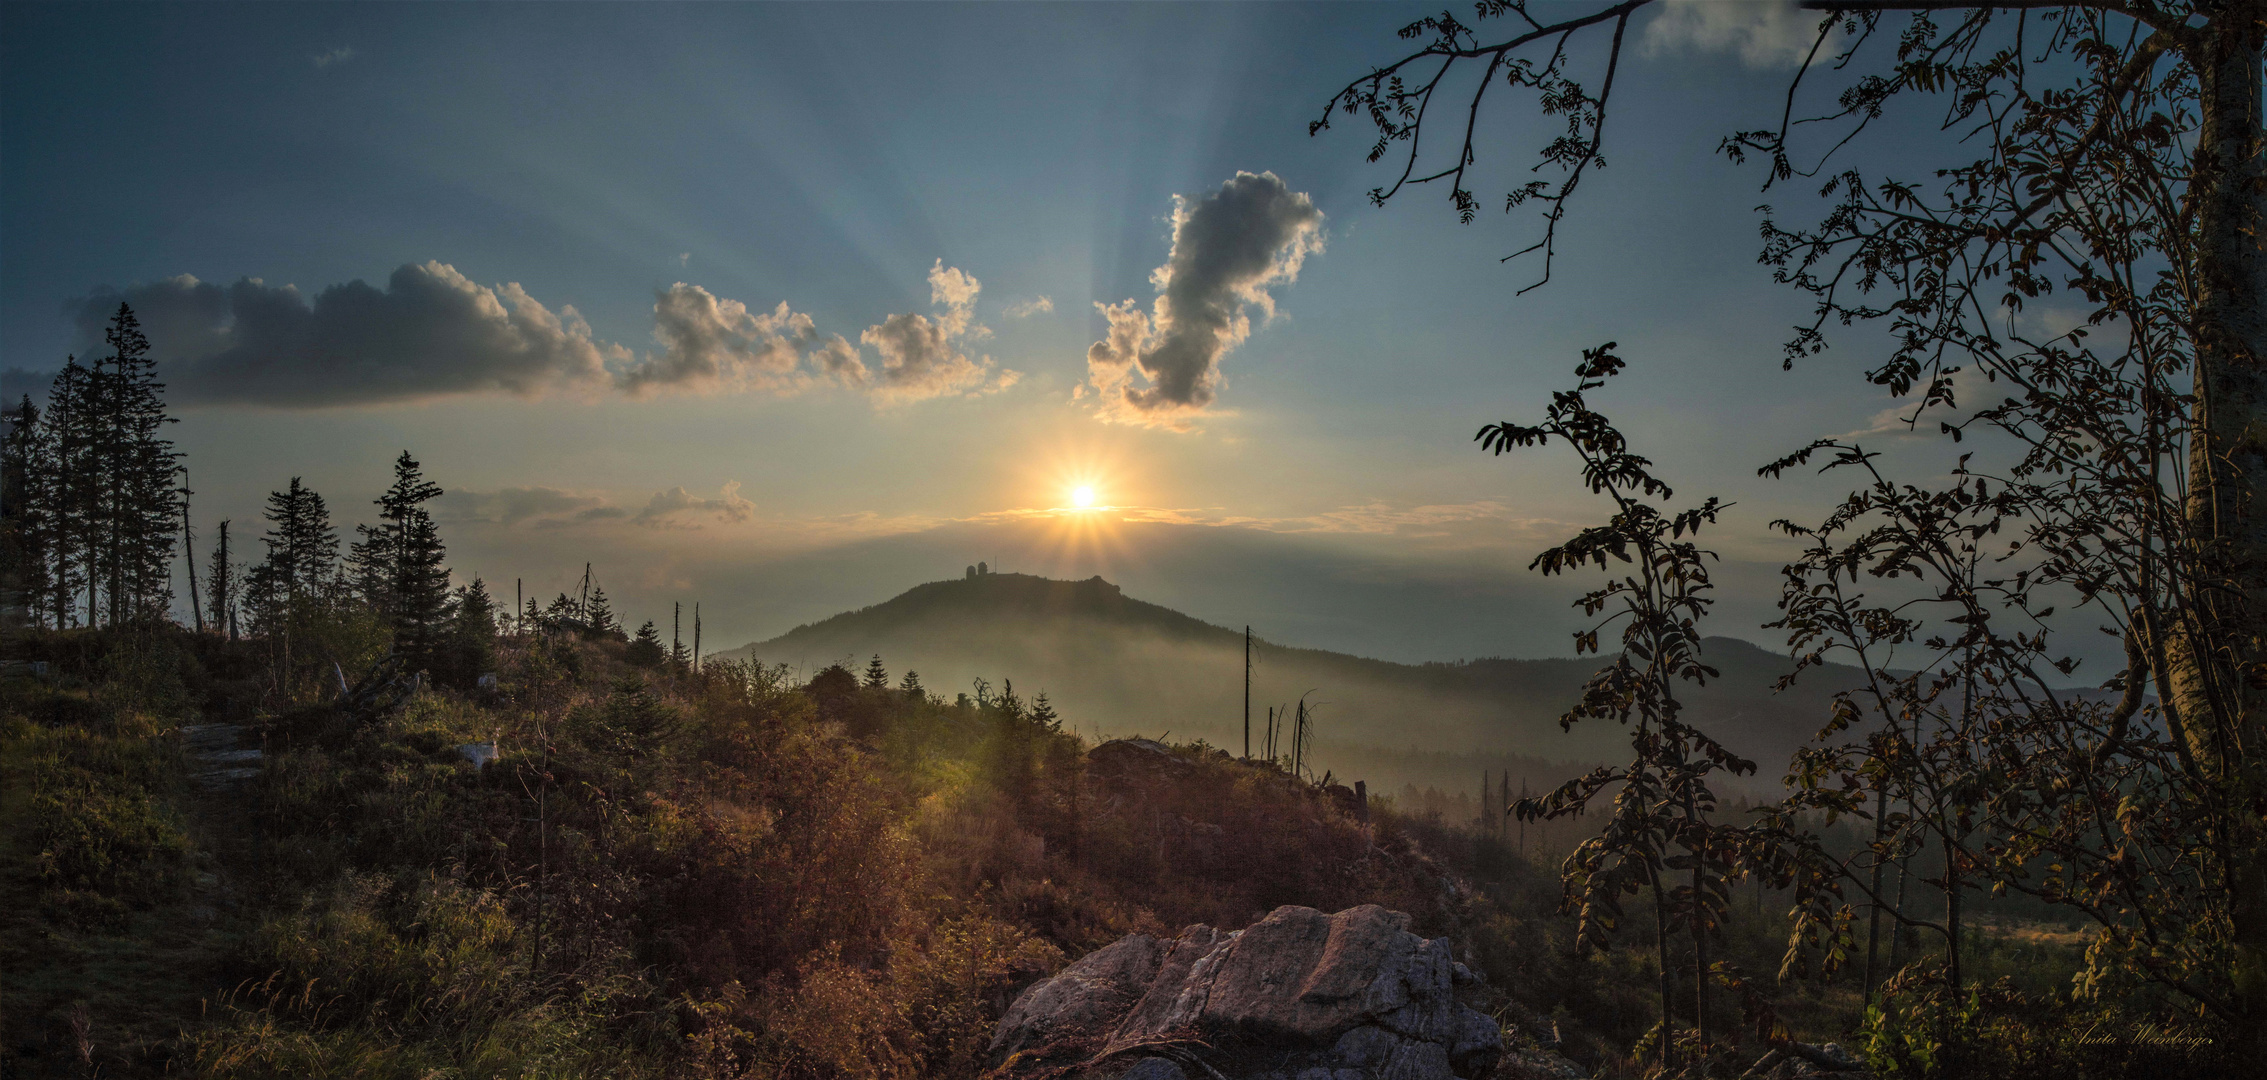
<point x="876" y="677"/>
<point x="602" y="621"/>
<point x="74" y="499"/>
<point x="397" y="563"/>
<point x="137" y="500"/>
<point x="302" y="556"/>
<point x="911" y="686"/>
<point x="24" y="540"/>
<point x="645" y="650"/>
<point x="468" y="649"/>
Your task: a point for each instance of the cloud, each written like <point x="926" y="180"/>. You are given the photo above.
<point x="1971" y="390"/>
<point x="1024" y="309"/>
<point x="546" y="506"/>
<point x="1228" y="248"/>
<point x="339" y="55"/>
<point x="922" y="357"/>
<point x="710" y="345"/>
<point x="677" y="508"/>
<point x="430" y="332"/>
<point x="1766" y="33"/>
<point x="17" y="383"/>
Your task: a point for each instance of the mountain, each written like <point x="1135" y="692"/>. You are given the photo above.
<point x="1115" y="665"/>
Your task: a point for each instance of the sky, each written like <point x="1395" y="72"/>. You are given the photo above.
<point x="786" y="308"/>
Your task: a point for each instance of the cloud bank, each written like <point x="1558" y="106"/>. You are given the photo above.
<point x="1229" y="247"/>
<point x="431" y="332"/>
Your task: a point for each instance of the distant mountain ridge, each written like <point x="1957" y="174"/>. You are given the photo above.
<point x="1115" y="665"/>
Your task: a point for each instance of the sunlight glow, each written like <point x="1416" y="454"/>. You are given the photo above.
<point x="1083" y="496"/>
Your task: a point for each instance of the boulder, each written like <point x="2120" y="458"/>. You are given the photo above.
<point x="1299" y="995"/>
<point x="1083" y="1001"/>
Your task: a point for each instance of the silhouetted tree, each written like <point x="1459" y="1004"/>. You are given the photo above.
<point x="602" y="620"/>
<point x="2115" y="162"/>
<point x="137" y="498"/>
<point x="221" y="586"/>
<point x="876" y="677"/>
<point x="397" y="564"/>
<point x="645" y="649"/>
<point x="302" y="557"/>
<point x="911" y="687"/>
<point x="468" y="648"/>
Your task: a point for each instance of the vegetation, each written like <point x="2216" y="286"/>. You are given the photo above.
<point x="2119" y="164"/>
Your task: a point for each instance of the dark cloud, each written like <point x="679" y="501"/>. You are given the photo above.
<point x="677" y="508"/>
<point x="16" y="384"/>
<point x="430" y="332"/>
<point x="1228" y="248"/>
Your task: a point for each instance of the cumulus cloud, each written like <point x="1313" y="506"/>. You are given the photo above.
<point x="1024" y="309"/>
<point x="923" y="357"/>
<point x="339" y="55"/>
<point x="545" y="506"/>
<point x="430" y="332"/>
<point x="710" y="345"/>
<point x="677" y="508"/>
<point x="1229" y="247"/>
<point x="1765" y="33"/>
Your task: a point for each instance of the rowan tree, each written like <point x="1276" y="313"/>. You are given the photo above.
<point x="2112" y="158"/>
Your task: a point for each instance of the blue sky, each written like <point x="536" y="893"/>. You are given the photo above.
<point x="838" y="159"/>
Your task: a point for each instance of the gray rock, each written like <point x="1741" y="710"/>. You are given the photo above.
<point x="1299" y="995"/>
<point x="1083" y="1001"/>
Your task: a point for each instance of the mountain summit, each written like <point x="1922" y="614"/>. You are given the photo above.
<point x="1113" y="664"/>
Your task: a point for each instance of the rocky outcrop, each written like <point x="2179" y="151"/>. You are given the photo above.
<point x="1300" y="995"/>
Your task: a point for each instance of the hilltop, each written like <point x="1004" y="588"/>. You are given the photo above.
<point x="1115" y="664"/>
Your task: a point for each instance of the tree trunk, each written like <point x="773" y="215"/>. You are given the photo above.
<point x="2217" y="713"/>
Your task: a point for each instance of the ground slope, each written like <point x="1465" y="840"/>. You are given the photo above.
<point x="1117" y="665"/>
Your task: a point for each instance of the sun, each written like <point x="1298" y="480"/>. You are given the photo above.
<point x="1082" y="496"/>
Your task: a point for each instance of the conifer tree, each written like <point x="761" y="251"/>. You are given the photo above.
<point x="911" y="687"/>
<point x="302" y="556"/>
<point x="397" y="564"/>
<point x="1043" y="714"/>
<point x="26" y="539"/>
<point x="645" y="650"/>
<point x="468" y="649"/>
<point x="876" y="677"/>
<point x="137" y="501"/>
<point x="601" y="615"/>
<point x="73" y="499"/>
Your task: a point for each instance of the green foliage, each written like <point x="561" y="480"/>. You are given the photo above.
<point x="85" y="814"/>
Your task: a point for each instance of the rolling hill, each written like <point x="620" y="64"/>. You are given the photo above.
<point x="1115" y="665"/>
